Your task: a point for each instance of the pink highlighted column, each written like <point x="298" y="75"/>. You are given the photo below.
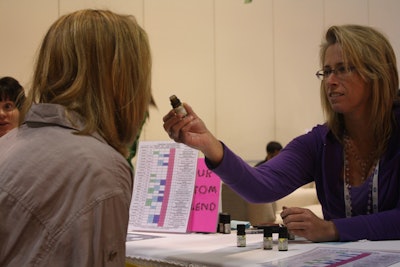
<point x="168" y="183"/>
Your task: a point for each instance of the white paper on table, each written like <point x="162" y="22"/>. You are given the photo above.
<point x="163" y="188"/>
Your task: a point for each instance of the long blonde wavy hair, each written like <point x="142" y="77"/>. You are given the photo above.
<point x="370" y="52"/>
<point x="98" y="64"/>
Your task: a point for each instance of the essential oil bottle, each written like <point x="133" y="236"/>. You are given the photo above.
<point x="224" y="223"/>
<point x="177" y="105"/>
<point x="241" y="235"/>
<point x="283" y="239"/>
<point x="267" y="241"/>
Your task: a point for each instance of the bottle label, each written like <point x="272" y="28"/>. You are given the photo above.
<point x="282" y="244"/>
<point x="241" y="240"/>
<point x="268" y="242"/>
<point x="227" y="228"/>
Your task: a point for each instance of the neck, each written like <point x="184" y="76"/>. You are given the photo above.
<point x="358" y="128"/>
<point x="360" y="160"/>
<point x="361" y="134"/>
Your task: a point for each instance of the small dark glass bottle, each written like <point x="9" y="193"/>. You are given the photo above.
<point x="224" y="223"/>
<point x="267" y="241"/>
<point x="283" y="239"/>
<point x="177" y="105"/>
<point x="241" y="235"/>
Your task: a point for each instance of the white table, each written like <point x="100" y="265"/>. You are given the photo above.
<point x="221" y="250"/>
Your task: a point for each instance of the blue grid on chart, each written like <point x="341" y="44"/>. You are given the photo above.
<point x="156" y="187"/>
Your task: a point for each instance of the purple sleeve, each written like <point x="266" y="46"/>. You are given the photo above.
<point x="379" y="226"/>
<point x="290" y="169"/>
<point x="318" y="156"/>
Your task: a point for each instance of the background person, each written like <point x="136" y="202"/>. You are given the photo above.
<point x="65" y="183"/>
<point x="272" y="149"/>
<point x="353" y="158"/>
<point x="12" y="96"/>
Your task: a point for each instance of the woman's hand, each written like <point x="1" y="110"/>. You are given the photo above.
<point x="191" y="131"/>
<point x="303" y="222"/>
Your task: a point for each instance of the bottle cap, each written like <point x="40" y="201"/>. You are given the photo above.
<point x="283" y="232"/>
<point x="268" y="231"/>
<point x="175" y="102"/>
<point x="224" y="218"/>
<point x="241" y="229"/>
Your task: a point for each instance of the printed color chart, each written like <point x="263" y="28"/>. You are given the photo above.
<point x="163" y="187"/>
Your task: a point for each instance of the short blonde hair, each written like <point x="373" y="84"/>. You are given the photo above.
<point x="372" y="55"/>
<point x="98" y="64"/>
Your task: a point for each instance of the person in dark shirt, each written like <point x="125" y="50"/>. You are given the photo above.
<point x="272" y="149"/>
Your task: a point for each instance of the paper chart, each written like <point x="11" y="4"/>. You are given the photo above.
<point x="163" y="187"/>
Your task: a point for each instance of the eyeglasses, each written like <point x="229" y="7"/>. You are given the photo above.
<point x="341" y="72"/>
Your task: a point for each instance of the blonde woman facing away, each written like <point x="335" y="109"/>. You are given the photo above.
<point x="354" y="158"/>
<point x="65" y="183"/>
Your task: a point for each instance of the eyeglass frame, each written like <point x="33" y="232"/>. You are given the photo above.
<point x="338" y="71"/>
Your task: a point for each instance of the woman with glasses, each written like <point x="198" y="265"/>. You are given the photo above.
<point x="354" y="158"/>
<point x="12" y="96"/>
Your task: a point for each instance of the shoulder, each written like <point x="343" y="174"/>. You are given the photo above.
<point x="319" y="134"/>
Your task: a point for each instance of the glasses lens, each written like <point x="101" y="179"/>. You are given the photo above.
<point x="320" y="75"/>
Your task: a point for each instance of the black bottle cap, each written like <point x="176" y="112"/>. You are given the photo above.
<point x="283" y="232"/>
<point x="268" y="231"/>
<point x="241" y="229"/>
<point x="224" y="218"/>
<point x="175" y="102"/>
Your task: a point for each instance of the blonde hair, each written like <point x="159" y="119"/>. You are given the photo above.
<point x="373" y="57"/>
<point x="98" y="64"/>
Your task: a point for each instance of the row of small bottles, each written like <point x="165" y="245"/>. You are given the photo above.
<point x="224" y="227"/>
<point x="267" y="240"/>
<point x="283" y="237"/>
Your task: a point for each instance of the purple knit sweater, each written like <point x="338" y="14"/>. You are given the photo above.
<point x="318" y="156"/>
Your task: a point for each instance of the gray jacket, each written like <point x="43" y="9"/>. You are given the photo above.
<point x="64" y="198"/>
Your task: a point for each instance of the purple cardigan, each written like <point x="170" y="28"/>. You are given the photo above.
<point x="318" y="156"/>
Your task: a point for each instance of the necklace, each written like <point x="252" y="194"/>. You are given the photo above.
<point x="366" y="164"/>
<point x="372" y="202"/>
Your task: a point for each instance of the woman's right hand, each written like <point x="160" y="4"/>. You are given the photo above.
<point x="191" y="131"/>
<point x="303" y="222"/>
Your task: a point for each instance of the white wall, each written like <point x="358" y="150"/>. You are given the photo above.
<point x="246" y="69"/>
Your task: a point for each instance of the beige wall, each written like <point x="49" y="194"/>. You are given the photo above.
<point x="246" y="69"/>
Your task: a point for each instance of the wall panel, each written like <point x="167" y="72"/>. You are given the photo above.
<point x="345" y="12"/>
<point x="22" y="27"/>
<point x="297" y="28"/>
<point x="384" y="15"/>
<point x="132" y="7"/>
<point x="245" y="96"/>
<point x="181" y="33"/>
